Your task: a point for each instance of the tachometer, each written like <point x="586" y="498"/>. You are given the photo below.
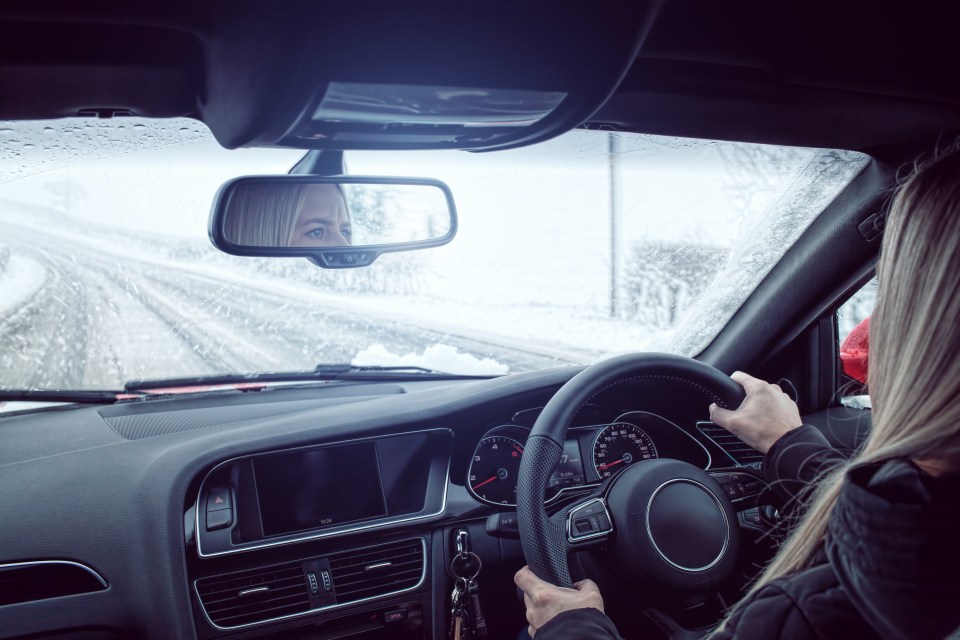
<point x="493" y="471"/>
<point x="620" y="445"/>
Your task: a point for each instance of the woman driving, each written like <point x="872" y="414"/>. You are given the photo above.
<point x="875" y="554"/>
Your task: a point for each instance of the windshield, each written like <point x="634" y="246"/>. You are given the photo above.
<point x="583" y="247"/>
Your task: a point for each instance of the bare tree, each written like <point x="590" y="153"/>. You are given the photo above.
<point x="663" y="279"/>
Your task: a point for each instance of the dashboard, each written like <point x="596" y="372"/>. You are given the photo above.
<point x="328" y="511"/>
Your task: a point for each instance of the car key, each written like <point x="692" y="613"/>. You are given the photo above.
<point x="473" y="594"/>
<point x="455" y="604"/>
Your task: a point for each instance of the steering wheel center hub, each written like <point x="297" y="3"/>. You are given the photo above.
<point x="687" y="525"/>
<point x="675" y="526"/>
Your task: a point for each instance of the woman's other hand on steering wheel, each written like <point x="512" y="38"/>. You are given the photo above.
<point x="766" y="414"/>
<point x="545" y="601"/>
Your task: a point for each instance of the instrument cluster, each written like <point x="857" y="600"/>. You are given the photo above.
<point x="591" y="454"/>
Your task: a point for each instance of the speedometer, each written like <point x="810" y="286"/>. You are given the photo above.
<point x="620" y="445"/>
<point x="493" y="471"/>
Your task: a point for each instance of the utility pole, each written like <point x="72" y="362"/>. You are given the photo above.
<point x="613" y="149"/>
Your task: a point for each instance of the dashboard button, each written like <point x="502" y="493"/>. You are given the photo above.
<point x="219" y="519"/>
<point x="395" y="616"/>
<point x="219" y="498"/>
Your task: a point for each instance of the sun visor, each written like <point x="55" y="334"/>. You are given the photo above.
<point x="351" y="114"/>
<point x="427" y="75"/>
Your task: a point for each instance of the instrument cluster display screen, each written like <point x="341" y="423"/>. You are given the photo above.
<point x="318" y="488"/>
<point x="569" y="473"/>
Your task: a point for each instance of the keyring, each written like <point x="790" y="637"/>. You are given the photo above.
<point x="458" y="557"/>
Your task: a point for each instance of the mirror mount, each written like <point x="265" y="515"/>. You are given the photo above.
<point x="320" y="162"/>
<point x="336" y="222"/>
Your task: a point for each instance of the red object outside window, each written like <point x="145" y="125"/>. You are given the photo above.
<point x="853" y="352"/>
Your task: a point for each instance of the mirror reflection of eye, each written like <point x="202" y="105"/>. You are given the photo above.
<point x="316" y="234"/>
<point x="347" y="233"/>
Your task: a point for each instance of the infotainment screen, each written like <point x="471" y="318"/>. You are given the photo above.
<point x="318" y="488"/>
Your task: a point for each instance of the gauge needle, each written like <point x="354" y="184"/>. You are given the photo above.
<point x="606" y="466"/>
<point x="490" y="479"/>
<point x="518" y="448"/>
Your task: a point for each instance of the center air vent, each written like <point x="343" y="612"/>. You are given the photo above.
<point x="741" y="452"/>
<point x="377" y="571"/>
<point x="254" y="596"/>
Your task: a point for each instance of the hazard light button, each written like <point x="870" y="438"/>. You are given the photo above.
<point x="219" y="498"/>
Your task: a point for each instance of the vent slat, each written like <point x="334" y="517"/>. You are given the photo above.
<point x="741" y="452"/>
<point x="287" y="594"/>
<point x="264" y="604"/>
<point x="351" y="582"/>
<point x="360" y="569"/>
<point x="396" y="566"/>
<point x="261" y="614"/>
<point x="220" y="595"/>
<point x="412" y="572"/>
<point x="340" y="560"/>
<point x="236" y="600"/>
<point x="251" y="578"/>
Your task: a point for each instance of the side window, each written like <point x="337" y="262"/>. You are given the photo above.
<point x="853" y="329"/>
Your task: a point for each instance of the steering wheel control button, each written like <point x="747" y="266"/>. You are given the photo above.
<point x="219" y="519"/>
<point x="587" y="521"/>
<point x="739" y="486"/>
<point x="586" y="525"/>
<point x="687" y="525"/>
<point x="604" y="522"/>
<point x="219" y="498"/>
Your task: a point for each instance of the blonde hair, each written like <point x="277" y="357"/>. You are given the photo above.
<point x="264" y="215"/>
<point x="914" y="374"/>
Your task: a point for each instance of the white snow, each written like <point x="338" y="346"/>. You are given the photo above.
<point x="440" y="357"/>
<point x="19" y="282"/>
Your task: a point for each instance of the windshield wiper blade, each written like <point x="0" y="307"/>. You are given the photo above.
<point x="65" y="395"/>
<point x="322" y="372"/>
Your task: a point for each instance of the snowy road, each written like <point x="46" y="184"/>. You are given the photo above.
<point x="100" y="319"/>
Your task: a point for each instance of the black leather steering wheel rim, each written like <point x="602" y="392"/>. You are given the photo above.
<point x="544" y="544"/>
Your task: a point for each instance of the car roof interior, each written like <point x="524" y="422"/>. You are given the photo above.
<point x="839" y="76"/>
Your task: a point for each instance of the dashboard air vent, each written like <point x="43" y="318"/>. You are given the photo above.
<point x="376" y="571"/>
<point x="743" y="453"/>
<point x="253" y="596"/>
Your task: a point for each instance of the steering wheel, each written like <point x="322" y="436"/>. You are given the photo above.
<point x="662" y="520"/>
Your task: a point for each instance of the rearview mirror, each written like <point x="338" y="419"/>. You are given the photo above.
<point x="336" y="222"/>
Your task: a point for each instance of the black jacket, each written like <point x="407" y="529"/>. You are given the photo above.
<point x="890" y="567"/>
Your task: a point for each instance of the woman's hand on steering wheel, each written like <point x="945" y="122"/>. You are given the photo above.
<point x="766" y="414"/>
<point x="545" y="601"/>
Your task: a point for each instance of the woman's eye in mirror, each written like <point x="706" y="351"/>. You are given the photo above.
<point x="316" y="234"/>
